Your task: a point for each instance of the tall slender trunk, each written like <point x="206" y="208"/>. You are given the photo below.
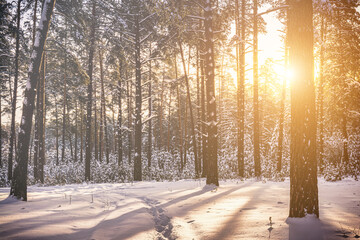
<point x="41" y="119"/>
<point x="212" y="173"/>
<point x="81" y="132"/>
<point x="345" y="154"/>
<point x="197" y="170"/>
<point x="169" y="123"/>
<point x="14" y="97"/>
<point x="89" y="94"/>
<point x="76" y="131"/>
<point x="180" y="132"/>
<point x="97" y="132"/>
<point x="57" y="131"/>
<point x="129" y="108"/>
<point x="19" y="181"/>
<point x="204" y="137"/>
<point x="149" y="150"/>
<point x="256" y="94"/>
<point x="282" y="114"/>
<point x="103" y="113"/>
<point x="241" y="94"/>
<point x="119" y="130"/>
<point x="323" y="31"/>
<point x="64" y="101"/>
<point x="161" y="111"/>
<point x="70" y="133"/>
<point x="198" y="103"/>
<point x="138" y="103"/>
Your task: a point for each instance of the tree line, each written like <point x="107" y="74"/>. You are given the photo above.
<point x="147" y="85"/>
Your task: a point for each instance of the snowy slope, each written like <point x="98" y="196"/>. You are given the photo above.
<point x="185" y="209"/>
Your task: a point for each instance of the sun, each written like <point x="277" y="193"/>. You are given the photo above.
<point x="283" y="72"/>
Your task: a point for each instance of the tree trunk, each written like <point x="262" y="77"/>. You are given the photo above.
<point x="14" y="97"/>
<point x="97" y="142"/>
<point x="212" y="173"/>
<point x="57" y="131"/>
<point x="256" y="95"/>
<point x="180" y="132"/>
<point x="103" y="113"/>
<point x="240" y="53"/>
<point x="41" y="123"/>
<point x="129" y="106"/>
<point x="76" y="130"/>
<point x="120" y="142"/>
<point x="149" y="150"/>
<point x="282" y="104"/>
<point x="303" y="164"/>
<point x="323" y="31"/>
<point x="198" y="103"/>
<point x="89" y="95"/>
<point x="81" y="132"/>
<point x="204" y="137"/>
<point x="138" y="103"/>
<point x="169" y="121"/>
<point x="18" y="184"/>
<point x="197" y="171"/>
<point x="64" y="102"/>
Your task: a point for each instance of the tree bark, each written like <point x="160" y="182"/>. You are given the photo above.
<point x="212" y="173"/>
<point x="89" y="95"/>
<point x="18" y="184"/>
<point x="197" y="170"/>
<point x="180" y="132"/>
<point x="119" y="130"/>
<point x="256" y="95"/>
<point x="323" y="31"/>
<point x="14" y="97"/>
<point x="303" y="164"/>
<point x="103" y="113"/>
<point x="138" y="103"/>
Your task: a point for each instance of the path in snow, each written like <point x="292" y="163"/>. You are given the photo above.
<point x="185" y="209"/>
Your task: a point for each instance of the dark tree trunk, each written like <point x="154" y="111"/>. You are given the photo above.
<point x="14" y="97"/>
<point x="97" y="142"/>
<point x="303" y="164"/>
<point x="69" y="130"/>
<point x="197" y="170"/>
<point x="18" y="184"/>
<point x="103" y="113"/>
<point x="129" y="108"/>
<point x="89" y="95"/>
<point x="57" y="131"/>
<point x="76" y="131"/>
<point x="204" y="137"/>
<point x="323" y="31"/>
<point x="64" y="103"/>
<point x="81" y="132"/>
<point x="198" y="103"/>
<point x="180" y="132"/>
<point x="282" y="107"/>
<point x="169" y="121"/>
<point x="240" y="53"/>
<point x="138" y="103"/>
<point x="149" y="147"/>
<point x="256" y="95"/>
<point x="41" y="119"/>
<point x="119" y="130"/>
<point x="212" y="173"/>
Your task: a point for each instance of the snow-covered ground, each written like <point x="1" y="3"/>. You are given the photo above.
<point x="185" y="209"/>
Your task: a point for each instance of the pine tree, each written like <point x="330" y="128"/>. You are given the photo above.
<point x="19" y="184"/>
<point x="303" y="164"/>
